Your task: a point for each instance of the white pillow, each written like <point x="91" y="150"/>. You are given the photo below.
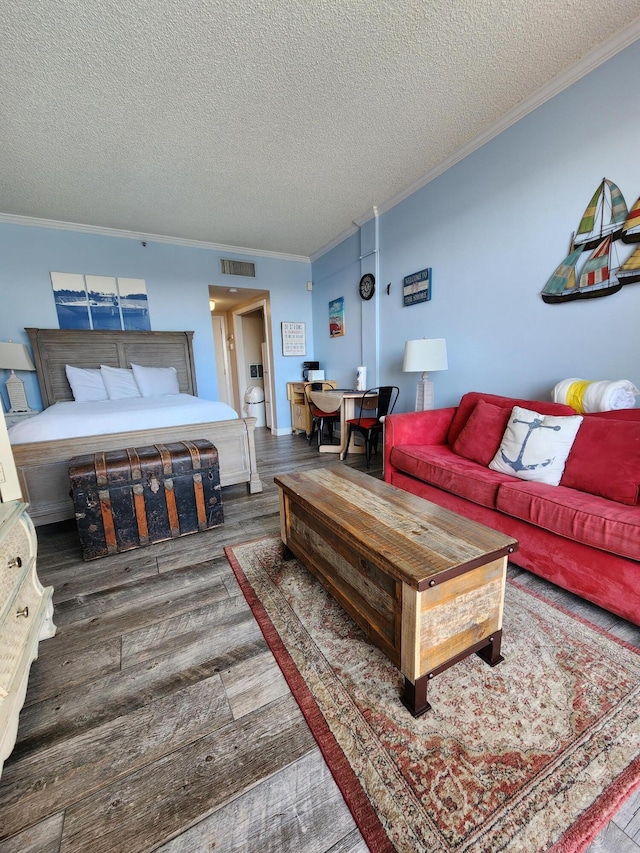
<point x="119" y="382"/>
<point x="87" y="385"/>
<point x="156" y="381"/>
<point x="535" y="447"/>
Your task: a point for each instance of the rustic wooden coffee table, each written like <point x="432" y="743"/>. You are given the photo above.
<point x="425" y="584"/>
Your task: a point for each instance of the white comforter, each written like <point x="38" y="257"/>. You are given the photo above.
<point x="70" y="420"/>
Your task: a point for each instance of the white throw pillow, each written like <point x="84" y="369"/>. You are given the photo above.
<point x="119" y="382"/>
<point x="535" y="447"/>
<point x="156" y="381"/>
<point x="87" y="385"/>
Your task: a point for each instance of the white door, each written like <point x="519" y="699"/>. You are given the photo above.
<point x="266" y="370"/>
<point x="222" y="359"/>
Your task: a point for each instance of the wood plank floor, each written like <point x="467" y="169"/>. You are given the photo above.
<point x="157" y="718"/>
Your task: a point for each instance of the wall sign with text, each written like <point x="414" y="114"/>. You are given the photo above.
<point x="417" y="287"/>
<point x="294" y="339"/>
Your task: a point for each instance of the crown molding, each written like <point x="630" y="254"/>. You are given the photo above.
<point x="14" y="219"/>
<point x="348" y="232"/>
<point x="371" y="213"/>
<point x="599" y="55"/>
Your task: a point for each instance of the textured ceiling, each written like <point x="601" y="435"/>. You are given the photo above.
<point x="266" y="124"/>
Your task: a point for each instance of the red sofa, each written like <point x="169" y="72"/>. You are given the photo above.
<point x="583" y="535"/>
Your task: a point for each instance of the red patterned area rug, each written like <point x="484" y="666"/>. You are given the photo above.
<point x="535" y="754"/>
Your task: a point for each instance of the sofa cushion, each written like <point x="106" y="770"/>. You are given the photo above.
<point x="585" y="518"/>
<point x="480" y="437"/>
<point x="535" y="446"/>
<point x="469" y="401"/>
<point x="439" y="466"/>
<point x="605" y="460"/>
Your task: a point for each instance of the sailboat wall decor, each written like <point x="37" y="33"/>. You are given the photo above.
<point x="605" y="220"/>
<point x="594" y="279"/>
<point x="629" y="271"/>
<point x="605" y="215"/>
<point x="631" y="227"/>
<point x="563" y="284"/>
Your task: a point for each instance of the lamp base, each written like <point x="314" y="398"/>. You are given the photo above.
<point x="425" y="398"/>
<point x="17" y="397"/>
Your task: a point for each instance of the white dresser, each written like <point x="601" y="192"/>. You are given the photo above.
<point x="26" y="615"/>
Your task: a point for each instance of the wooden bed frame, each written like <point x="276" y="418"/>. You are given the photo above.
<point x="43" y="466"/>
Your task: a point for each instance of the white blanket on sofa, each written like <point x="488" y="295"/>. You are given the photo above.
<point x="599" y="396"/>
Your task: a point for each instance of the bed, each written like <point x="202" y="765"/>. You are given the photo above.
<point x="43" y="466"/>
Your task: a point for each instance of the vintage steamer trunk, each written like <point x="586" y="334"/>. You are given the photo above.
<point x="128" y="498"/>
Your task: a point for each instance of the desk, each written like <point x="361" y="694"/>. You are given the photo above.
<point x="329" y="401"/>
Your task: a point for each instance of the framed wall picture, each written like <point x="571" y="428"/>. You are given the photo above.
<point x="100" y="302"/>
<point x="417" y="287"/>
<point x="336" y="317"/>
<point x="294" y="340"/>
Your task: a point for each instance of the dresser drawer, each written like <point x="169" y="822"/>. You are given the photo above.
<point x="17" y="549"/>
<point x="20" y="621"/>
<point x="26" y="615"/>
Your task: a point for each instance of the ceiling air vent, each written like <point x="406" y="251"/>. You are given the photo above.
<point x="246" y="268"/>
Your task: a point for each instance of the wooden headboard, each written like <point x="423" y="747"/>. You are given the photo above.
<point x="54" y="348"/>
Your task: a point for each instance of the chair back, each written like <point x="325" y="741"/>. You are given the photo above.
<point x="315" y="386"/>
<point x="387" y="396"/>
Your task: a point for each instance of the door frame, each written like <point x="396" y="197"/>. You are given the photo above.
<point x="237" y="315"/>
<point x="223" y="348"/>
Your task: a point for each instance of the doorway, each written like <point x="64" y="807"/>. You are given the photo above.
<point x="241" y="324"/>
<point x="252" y="327"/>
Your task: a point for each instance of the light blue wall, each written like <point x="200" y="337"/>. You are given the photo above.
<point x="177" y="279"/>
<point x="338" y="357"/>
<point x="493" y="228"/>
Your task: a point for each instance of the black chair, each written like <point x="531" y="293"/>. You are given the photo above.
<point x="319" y="418"/>
<point x="372" y="409"/>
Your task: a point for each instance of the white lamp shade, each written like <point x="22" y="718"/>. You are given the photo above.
<point x="425" y="355"/>
<point x="15" y="357"/>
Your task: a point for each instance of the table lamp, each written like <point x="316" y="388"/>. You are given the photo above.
<point x="424" y="355"/>
<point x="15" y="357"/>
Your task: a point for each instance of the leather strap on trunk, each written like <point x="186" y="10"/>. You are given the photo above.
<point x="172" y="509"/>
<point x="134" y="464"/>
<point x="198" y="488"/>
<point x="105" y="503"/>
<point x="107" y="521"/>
<point x="138" y="495"/>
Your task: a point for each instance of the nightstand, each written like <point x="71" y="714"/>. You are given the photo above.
<point x="12" y="418"/>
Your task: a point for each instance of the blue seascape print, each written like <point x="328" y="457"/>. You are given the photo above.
<point x="100" y="302"/>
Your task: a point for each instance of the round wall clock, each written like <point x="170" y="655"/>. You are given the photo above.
<point x="367" y="286"/>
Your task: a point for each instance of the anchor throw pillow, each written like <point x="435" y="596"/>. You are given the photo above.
<point x="535" y="447"/>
